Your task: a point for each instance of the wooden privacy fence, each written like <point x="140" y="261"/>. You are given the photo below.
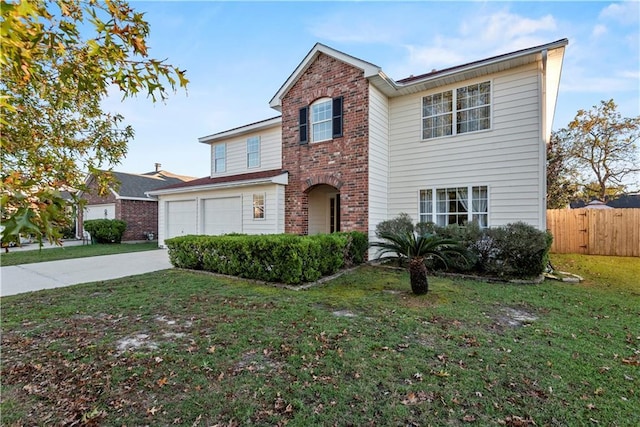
<point x="595" y="231"/>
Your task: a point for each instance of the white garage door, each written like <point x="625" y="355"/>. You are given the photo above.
<point x="181" y="218"/>
<point x="222" y="216"/>
<point x="104" y="211"/>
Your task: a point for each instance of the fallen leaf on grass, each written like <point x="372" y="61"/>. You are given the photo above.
<point x="631" y="361"/>
<point x="516" y="421"/>
<point x="162" y="382"/>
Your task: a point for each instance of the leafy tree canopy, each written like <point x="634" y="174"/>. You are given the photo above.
<point x="59" y="59"/>
<point x="603" y="146"/>
<point x="562" y="176"/>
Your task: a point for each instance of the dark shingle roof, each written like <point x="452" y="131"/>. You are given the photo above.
<point x="135" y="185"/>
<point x="223" y="179"/>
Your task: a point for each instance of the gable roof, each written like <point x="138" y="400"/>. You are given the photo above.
<point x="422" y="82"/>
<point x="368" y="68"/>
<point x="134" y="186"/>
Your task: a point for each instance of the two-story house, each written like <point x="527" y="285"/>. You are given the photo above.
<point x="352" y="148"/>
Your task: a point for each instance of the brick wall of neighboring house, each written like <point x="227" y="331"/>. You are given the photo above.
<point x="341" y="162"/>
<point x="141" y="217"/>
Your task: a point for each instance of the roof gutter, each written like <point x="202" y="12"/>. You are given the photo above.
<point x="282" y="179"/>
<point x="543" y="49"/>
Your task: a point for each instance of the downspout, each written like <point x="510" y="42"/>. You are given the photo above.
<point x="543" y="149"/>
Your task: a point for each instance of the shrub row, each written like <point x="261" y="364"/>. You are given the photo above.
<point x="105" y="230"/>
<point x="281" y="258"/>
<point x="517" y="250"/>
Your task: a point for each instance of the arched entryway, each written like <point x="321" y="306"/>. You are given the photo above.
<point x="324" y="209"/>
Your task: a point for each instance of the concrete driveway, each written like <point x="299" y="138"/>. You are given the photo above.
<point x="54" y="274"/>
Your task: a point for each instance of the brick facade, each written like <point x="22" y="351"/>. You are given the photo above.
<point x="141" y="216"/>
<point x="343" y="162"/>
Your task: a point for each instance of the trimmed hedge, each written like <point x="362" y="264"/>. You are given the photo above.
<point x="105" y="230"/>
<point x="282" y="258"/>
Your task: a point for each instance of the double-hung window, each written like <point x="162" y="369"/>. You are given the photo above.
<point x="466" y="109"/>
<point x="455" y="205"/>
<point x="258" y="206"/>
<point x="321" y="121"/>
<point x="220" y="158"/>
<point x="253" y="152"/>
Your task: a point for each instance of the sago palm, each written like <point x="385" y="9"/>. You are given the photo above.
<point x="416" y="248"/>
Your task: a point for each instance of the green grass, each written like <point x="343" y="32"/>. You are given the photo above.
<point x="601" y="271"/>
<point x="360" y="350"/>
<point x="55" y="254"/>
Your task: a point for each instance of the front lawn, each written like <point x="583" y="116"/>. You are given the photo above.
<point x="55" y="254"/>
<point x="185" y="348"/>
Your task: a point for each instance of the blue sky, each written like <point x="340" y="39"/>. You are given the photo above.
<point x="238" y="54"/>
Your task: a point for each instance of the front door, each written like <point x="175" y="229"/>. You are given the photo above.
<point x="324" y="209"/>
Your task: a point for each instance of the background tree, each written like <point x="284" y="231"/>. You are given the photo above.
<point x="562" y="176"/>
<point x="59" y="60"/>
<point x="603" y="146"/>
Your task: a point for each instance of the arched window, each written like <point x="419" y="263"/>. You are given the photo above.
<point x="322" y="119"/>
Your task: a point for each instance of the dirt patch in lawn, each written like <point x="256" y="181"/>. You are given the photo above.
<point x="510" y="317"/>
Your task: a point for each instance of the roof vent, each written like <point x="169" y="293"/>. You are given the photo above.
<point x="158" y="166"/>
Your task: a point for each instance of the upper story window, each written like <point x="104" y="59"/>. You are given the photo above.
<point x="322" y="119"/>
<point x="220" y="158"/>
<point x="466" y="109"/>
<point x="253" y="152"/>
<point x="457" y="205"/>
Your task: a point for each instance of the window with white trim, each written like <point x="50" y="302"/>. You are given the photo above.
<point x="253" y="152"/>
<point x="220" y="157"/>
<point x="455" y="205"/>
<point x="258" y="206"/>
<point x="466" y="109"/>
<point x="321" y="120"/>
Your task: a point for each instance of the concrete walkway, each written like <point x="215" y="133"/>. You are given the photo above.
<point x="54" y="274"/>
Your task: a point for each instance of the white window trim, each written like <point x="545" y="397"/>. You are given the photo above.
<point x="470" y="212"/>
<point x="454" y="97"/>
<point x="264" y="206"/>
<point x="312" y="123"/>
<point x="215" y="158"/>
<point x="258" y="152"/>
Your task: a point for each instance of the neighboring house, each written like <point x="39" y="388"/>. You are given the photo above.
<point x="128" y="202"/>
<point x="353" y="147"/>
<point x="631" y="201"/>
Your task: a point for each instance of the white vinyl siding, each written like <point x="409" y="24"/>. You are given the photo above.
<point x="378" y="158"/>
<point x="505" y="158"/>
<point x="270" y="155"/>
<point x="238" y="203"/>
<point x="102" y="211"/>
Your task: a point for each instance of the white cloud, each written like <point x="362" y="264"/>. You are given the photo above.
<point x="504" y="25"/>
<point x="599" y="30"/>
<point x="626" y="12"/>
<point x="478" y="37"/>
